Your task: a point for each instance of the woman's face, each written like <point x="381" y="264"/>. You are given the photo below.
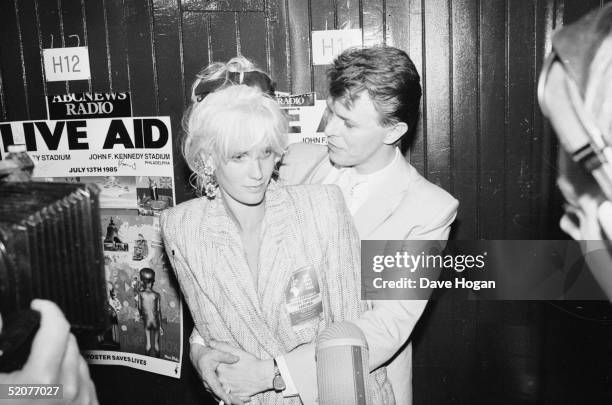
<point x="244" y="177"/>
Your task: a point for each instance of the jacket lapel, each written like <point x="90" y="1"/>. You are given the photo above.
<point x="228" y="253"/>
<point x="384" y="198"/>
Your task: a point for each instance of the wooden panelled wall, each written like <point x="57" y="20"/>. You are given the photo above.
<point x="481" y="137"/>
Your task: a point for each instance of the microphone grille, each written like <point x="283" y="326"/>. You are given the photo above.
<point x="341" y="333"/>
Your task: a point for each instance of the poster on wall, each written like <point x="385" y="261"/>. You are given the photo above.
<point x="306" y="117"/>
<point x="130" y="160"/>
<point x="89" y="105"/>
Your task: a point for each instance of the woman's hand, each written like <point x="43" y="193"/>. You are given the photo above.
<point x="206" y="360"/>
<point x="247" y="377"/>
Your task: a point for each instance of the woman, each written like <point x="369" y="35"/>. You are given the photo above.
<point x="239" y="250"/>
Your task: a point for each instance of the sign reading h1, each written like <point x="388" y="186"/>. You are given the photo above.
<point x="89" y="105"/>
<point x="66" y="63"/>
<point x="326" y="45"/>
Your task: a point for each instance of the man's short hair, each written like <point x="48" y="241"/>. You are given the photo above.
<point x="388" y="76"/>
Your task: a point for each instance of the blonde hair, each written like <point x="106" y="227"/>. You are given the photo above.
<point x="218" y="70"/>
<point x="228" y="121"/>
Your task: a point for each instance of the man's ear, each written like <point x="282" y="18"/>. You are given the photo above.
<point x="395" y="133"/>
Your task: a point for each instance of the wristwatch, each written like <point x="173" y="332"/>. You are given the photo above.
<point x="278" y="383"/>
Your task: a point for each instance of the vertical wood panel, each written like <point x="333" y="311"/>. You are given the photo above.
<point x="72" y="21"/>
<point x="492" y="125"/>
<point x="223" y="36"/>
<point x="322" y="18"/>
<point x="437" y="85"/>
<point x="34" y="75"/>
<point x="347" y="14"/>
<point x="465" y="115"/>
<point x="373" y="27"/>
<point x="11" y="63"/>
<point x="166" y="17"/>
<point x="278" y="44"/>
<point x="416" y="37"/>
<point x="2" y="101"/>
<point x="543" y="160"/>
<point x="99" y="57"/>
<point x="253" y="38"/>
<point x="398" y="24"/>
<point x="520" y="120"/>
<point x="143" y="83"/>
<point x="118" y="46"/>
<point x="196" y="40"/>
<point x="300" y="58"/>
<point x="52" y="35"/>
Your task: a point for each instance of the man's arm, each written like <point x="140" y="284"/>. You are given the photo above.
<point x="387" y="325"/>
<point x="438" y="227"/>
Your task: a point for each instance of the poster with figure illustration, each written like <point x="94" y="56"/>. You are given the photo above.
<point x="130" y="161"/>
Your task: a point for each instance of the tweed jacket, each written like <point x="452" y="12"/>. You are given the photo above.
<point x="402" y="206"/>
<point x="304" y="227"/>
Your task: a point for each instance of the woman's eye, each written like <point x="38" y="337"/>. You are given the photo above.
<point x="348" y="125"/>
<point x="239" y="156"/>
<point x="267" y="153"/>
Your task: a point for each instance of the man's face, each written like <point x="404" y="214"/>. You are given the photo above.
<point x="355" y="137"/>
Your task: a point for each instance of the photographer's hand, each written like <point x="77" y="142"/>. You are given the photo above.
<point x="55" y="359"/>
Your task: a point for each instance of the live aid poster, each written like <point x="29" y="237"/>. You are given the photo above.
<point x="130" y="159"/>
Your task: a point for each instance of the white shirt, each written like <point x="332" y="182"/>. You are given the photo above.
<point x="356" y="187"/>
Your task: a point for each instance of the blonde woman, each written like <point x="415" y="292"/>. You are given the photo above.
<point x="238" y="250"/>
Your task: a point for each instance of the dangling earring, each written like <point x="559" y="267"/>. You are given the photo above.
<point x="207" y="172"/>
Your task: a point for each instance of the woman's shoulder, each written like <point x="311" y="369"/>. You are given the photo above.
<point x="183" y="214"/>
<point x="314" y="195"/>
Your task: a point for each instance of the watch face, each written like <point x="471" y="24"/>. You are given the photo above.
<point x="278" y="383"/>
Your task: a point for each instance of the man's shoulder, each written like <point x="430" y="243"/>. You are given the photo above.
<point x="422" y="196"/>
<point x="300" y="161"/>
<point x="421" y="189"/>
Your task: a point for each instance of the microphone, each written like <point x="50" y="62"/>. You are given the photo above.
<point x="342" y="365"/>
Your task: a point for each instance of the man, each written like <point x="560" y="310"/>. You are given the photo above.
<point x="575" y="94"/>
<point x="374" y="101"/>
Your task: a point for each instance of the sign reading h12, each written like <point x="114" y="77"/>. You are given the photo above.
<point x="89" y="105"/>
<point x="66" y="63"/>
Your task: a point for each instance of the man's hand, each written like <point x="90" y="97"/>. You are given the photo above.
<point x="55" y="359"/>
<point x="206" y="361"/>
<point x="247" y="377"/>
<point x="605" y="218"/>
<point x="581" y="220"/>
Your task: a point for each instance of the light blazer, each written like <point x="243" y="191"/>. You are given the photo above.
<point x="402" y="206"/>
<point x="230" y="304"/>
